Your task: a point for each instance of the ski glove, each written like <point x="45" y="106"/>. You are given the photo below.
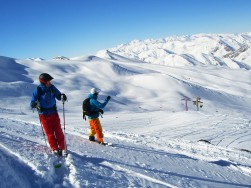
<point x="108" y="98"/>
<point x="37" y="106"/>
<point x="34" y="105"/>
<point x="101" y="111"/>
<point x="63" y="97"/>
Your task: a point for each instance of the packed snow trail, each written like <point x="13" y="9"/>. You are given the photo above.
<point x="126" y="164"/>
<point x="132" y="173"/>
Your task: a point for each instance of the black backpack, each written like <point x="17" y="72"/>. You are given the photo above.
<point x="86" y="107"/>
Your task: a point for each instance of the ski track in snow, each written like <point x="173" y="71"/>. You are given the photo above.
<point x="132" y="173"/>
<point x="85" y="161"/>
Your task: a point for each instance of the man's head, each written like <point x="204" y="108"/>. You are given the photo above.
<point x="95" y="91"/>
<point x="45" y="79"/>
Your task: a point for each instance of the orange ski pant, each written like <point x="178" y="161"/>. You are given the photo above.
<point x="95" y="128"/>
<point x="52" y="128"/>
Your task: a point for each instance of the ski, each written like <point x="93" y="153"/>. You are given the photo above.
<point x="57" y="165"/>
<point x="104" y="144"/>
<point x="107" y="144"/>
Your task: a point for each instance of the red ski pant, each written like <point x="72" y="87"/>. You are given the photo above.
<point x="53" y="130"/>
<point x="95" y="128"/>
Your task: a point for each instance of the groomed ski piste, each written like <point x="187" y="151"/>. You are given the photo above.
<point x="156" y="142"/>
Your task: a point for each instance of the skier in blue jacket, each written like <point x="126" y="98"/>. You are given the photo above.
<point x="44" y="99"/>
<point x="96" y="108"/>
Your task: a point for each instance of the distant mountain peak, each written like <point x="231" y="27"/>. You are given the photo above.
<point x="36" y="59"/>
<point x="230" y="50"/>
<point x="61" y="58"/>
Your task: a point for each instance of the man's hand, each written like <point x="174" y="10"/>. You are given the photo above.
<point x="34" y="105"/>
<point x="63" y="97"/>
<point x="101" y="111"/>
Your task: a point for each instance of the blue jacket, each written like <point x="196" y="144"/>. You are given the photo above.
<point x="46" y="96"/>
<point x="95" y="105"/>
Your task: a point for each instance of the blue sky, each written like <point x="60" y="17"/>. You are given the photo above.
<point x="49" y="28"/>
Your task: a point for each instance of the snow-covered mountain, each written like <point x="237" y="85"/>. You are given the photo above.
<point x="61" y="58"/>
<point x="35" y="59"/>
<point x="156" y="142"/>
<point x="229" y="50"/>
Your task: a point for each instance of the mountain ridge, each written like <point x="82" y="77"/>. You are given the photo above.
<point x="229" y="50"/>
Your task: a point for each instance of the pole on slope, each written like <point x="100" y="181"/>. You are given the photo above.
<point x="186" y="106"/>
<point x="66" y="153"/>
<point x="43" y="133"/>
<point x="197" y="102"/>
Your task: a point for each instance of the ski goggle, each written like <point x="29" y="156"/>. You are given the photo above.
<point x="47" y="83"/>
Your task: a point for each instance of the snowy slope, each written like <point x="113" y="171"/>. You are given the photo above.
<point x="156" y="143"/>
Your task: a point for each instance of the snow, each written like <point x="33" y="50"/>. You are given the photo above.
<point x="186" y="50"/>
<point x="156" y="142"/>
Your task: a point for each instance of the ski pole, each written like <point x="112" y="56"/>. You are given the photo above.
<point x="64" y="129"/>
<point x="43" y="133"/>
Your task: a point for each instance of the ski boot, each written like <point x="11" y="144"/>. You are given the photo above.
<point x="58" y="152"/>
<point x="92" y="138"/>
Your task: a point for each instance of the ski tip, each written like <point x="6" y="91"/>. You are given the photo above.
<point x="57" y="165"/>
<point x="107" y="144"/>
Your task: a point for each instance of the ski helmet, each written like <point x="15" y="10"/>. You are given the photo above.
<point x="45" y="77"/>
<point x="95" y="91"/>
